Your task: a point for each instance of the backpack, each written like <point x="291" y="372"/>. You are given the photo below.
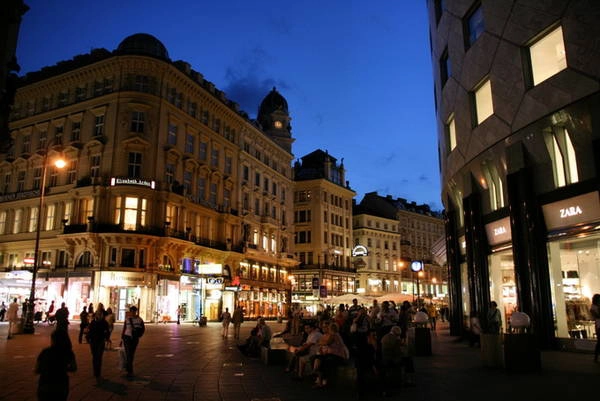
<point x="137" y="331"/>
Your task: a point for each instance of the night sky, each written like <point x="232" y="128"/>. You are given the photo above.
<point x="356" y="74"/>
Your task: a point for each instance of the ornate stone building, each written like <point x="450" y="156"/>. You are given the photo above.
<point x="323" y="230"/>
<point x="171" y="195"/>
<point x="389" y="234"/>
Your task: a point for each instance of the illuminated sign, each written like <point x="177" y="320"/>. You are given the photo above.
<point x="211" y="268"/>
<point x="132" y="181"/>
<point x="499" y="231"/>
<point x="124" y="279"/>
<point x="569" y="212"/>
<point x="360" y="250"/>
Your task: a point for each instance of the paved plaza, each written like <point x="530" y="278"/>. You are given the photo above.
<point x="187" y="362"/>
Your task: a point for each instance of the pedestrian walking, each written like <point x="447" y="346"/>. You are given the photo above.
<point x="2" y="311"/>
<point x="110" y="319"/>
<point x="97" y="335"/>
<point x="133" y="330"/>
<point x="225" y="320"/>
<point x="237" y="320"/>
<point x="12" y="315"/>
<point x="83" y="323"/>
<point x="53" y="365"/>
<point x="62" y="317"/>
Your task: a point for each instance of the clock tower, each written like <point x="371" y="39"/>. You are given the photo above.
<point x="274" y="118"/>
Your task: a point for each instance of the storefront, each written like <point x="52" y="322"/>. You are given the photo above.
<point x="190" y="297"/>
<point x="167" y="299"/>
<point x="121" y="290"/>
<point x="503" y="288"/>
<point x="574" y="263"/>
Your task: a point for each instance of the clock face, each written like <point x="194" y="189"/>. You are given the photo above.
<point x="278" y="124"/>
<point x="416" y="266"/>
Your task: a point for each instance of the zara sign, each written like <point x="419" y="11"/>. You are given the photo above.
<point x="569" y="212"/>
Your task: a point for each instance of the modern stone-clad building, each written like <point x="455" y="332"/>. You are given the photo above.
<point x="171" y="196"/>
<point x="517" y="93"/>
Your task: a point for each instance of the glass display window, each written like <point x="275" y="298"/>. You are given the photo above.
<point x="503" y="288"/>
<point x="574" y="265"/>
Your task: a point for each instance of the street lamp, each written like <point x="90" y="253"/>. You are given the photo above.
<point x="28" y="327"/>
<point x="417" y="266"/>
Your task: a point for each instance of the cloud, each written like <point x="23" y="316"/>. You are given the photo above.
<point x="248" y="82"/>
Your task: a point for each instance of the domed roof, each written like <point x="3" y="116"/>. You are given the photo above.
<point x="143" y="43"/>
<point x="272" y="102"/>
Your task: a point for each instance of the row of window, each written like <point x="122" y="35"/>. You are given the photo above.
<point x="547" y="57"/>
<point x="64" y="98"/>
<point x="21" y="220"/>
<point x="335" y="219"/>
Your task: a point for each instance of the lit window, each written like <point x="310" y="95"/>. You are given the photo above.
<point x="2" y="222"/>
<point x="17" y="221"/>
<point x="50" y="213"/>
<point x="135" y="213"/>
<point x="563" y="156"/>
<point x="484" y="106"/>
<point x="33" y="219"/>
<point x="451" y="133"/>
<point x="548" y="56"/>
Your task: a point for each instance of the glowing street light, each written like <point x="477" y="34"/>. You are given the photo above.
<point x="28" y="327"/>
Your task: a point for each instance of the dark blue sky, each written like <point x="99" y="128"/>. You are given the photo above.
<point x="356" y="74"/>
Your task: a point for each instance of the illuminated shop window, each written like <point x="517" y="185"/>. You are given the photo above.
<point x="548" y="56"/>
<point x="484" y="106"/>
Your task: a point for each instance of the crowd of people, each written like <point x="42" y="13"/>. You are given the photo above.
<point x="374" y="340"/>
<point x="96" y="325"/>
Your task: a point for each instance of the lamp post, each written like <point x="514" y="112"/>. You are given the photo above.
<point x="28" y="327"/>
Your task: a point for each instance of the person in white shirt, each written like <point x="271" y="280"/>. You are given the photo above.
<point x="133" y="329"/>
<point x="303" y="353"/>
<point x="12" y="315"/>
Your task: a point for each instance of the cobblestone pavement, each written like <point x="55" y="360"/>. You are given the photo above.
<point x="186" y="362"/>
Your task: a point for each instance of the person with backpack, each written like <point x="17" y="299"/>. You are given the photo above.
<point x="133" y="330"/>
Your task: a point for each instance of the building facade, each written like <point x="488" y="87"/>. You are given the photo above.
<point x="389" y="234"/>
<point x="517" y="102"/>
<point x="323" y="231"/>
<point x="171" y="196"/>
